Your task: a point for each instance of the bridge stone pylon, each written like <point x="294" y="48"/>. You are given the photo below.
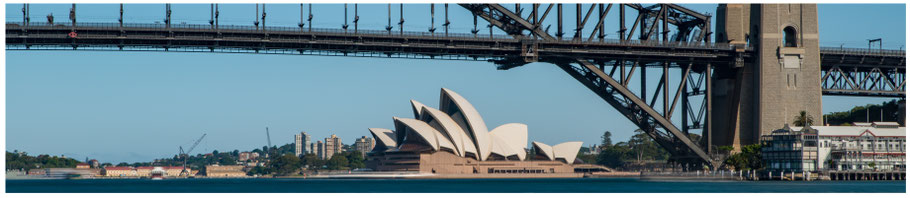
<point x="782" y="79"/>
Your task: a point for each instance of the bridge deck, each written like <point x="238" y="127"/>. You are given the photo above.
<point x="301" y="40"/>
<point x="845" y="71"/>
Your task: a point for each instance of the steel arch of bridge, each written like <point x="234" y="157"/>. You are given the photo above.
<point x="606" y="66"/>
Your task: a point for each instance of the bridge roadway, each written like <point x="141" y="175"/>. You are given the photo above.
<point x="316" y="40"/>
<point x="845" y="71"/>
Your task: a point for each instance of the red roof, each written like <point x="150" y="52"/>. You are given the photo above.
<point x="144" y="167"/>
<point x="118" y="168"/>
<point x="83" y="164"/>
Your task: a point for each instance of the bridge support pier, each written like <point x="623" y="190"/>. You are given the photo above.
<point x="781" y="80"/>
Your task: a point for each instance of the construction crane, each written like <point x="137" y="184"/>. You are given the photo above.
<point x="184" y="155"/>
<point x="269" y="139"/>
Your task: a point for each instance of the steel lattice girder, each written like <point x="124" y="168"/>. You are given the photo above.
<point x="864" y="81"/>
<point x="635" y="109"/>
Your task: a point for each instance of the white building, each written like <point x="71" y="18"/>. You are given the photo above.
<point x="302" y="144"/>
<point x="454" y="139"/>
<point x="881" y="146"/>
<point x="872" y="146"/>
<point x="364" y="145"/>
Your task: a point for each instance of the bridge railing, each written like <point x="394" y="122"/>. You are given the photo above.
<point x="286" y="29"/>
<point x="863" y="51"/>
<point x="649" y="43"/>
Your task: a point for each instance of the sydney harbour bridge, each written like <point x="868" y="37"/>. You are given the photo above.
<point x="721" y="75"/>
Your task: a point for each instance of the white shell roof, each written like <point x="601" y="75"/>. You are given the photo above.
<point x="384" y="137"/>
<point x="500" y="147"/>
<point x="449" y="128"/>
<point x="456" y="125"/>
<point x="544" y="149"/>
<point x="416" y="107"/>
<point x="427" y="133"/>
<point x="514" y="136"/>
<point x="567" y="150"/>
<point x="472" y="118"/>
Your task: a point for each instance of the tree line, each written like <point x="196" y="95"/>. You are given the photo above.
<point x="641" y="148"/>
<point x="888" y="111"/>
<point x="288" y="164"/>
<point x="22" y="161"/>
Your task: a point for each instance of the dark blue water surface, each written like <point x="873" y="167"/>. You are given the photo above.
<point x="603" y="185"/>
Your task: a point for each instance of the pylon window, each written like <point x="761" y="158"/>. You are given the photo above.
<point x="790" y="39"/>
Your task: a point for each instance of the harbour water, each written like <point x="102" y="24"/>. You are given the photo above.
<point x="587" y="185"/>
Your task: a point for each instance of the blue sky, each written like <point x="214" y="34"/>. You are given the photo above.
<point x="136" y="106"/>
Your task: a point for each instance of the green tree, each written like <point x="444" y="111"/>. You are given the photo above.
<point x="605" y="139"/>
<point x="337" y="162"/>
<point x="748" y="159"/>
<point x="645" y="148"/>
<point x="586" y="158"/>
<point x="803" y="119"/>
<point x="614" y="156"/>
<point x="355" y="160"/>
<point x="285" y="165"/>
<point x="258" y="170"/>
<point x="312" y="161"/>
<point x="887" y="111"/>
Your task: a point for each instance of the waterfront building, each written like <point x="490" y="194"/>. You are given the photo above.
<point x="790" y="149"/>
<point x="866" y="147"/>
<point x="224" y="171"/>
<point x="333" y="145"/>
<point x="364" y="145"/>
<point x="144" y="171"/>
<point x="320" y="149"/>
<point x="169" y="171"/>
<point x="455" y="140"/>
<point x="37" y="171"/>
<point x="119" y="171"/>
<point x="83" y="166"/>
<point x="301" y="143"/>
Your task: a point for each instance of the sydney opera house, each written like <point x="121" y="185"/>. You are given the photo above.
<point x="454" y="139"/>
